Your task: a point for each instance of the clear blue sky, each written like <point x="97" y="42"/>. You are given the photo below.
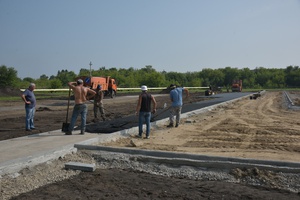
<point x="44" y="36"/>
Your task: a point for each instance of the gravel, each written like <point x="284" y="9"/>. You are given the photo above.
<point x="53" y="171"/>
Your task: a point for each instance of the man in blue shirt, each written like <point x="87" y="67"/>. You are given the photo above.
<point x="176" y="99"/>
<point x="30" y="101"/>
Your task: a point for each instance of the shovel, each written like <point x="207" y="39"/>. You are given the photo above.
<point x="65" y="126"/>
<point x="164" y="110"/>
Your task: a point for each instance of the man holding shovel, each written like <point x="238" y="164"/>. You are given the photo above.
<point x="176" y="99"/>
<point x="81" y="94"/>
<point x="98" y="104"/>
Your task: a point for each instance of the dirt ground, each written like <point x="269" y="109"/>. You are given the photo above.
<point x="259" y="129"/>
<point x="262" y="129"/>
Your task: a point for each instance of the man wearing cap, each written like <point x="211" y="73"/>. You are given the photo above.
<point x="30" y="101"/>
<point x="176" y="99"/>
<point x="98" y="104"/>
<point x="81" y="94"/>
<point x="143" y="110"/>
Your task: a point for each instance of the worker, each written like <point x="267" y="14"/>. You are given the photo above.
<point x="176" y="99"/>
<point x="81" y="94"/>
<point x="98" y="104"/>
<point x="30" y="102"/>
<point x="143" y="110"/>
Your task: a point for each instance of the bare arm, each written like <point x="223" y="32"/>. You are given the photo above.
<point x="187" y="92"/>
<point x="72" y="85"/>
<point x="90" y="93"/>
<point x="154" y="104"/>
<point x="138" y="107"/>
<point x="24" y="99"/>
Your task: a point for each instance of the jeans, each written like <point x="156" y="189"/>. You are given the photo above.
<point x="175" y="111"/>
<point x="82" y="110"/>
<point x="30" y="117"/>
<point x="144" y="117"/>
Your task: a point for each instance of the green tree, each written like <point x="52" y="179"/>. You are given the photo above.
<point x="8" y="76"/>
<point x="213" y="77"/>
<point x="65" y="76"/>
<point x="292" y="76"/>
<point x="230" y="74"/>
<point x="55" y="84"/>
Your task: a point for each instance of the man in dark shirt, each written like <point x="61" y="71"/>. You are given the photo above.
<point x="143" y="110"/>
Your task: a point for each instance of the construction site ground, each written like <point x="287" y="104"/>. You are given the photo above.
<point x="263" y="129"/>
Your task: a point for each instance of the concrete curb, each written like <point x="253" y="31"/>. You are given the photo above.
<point x="196" y="160"/>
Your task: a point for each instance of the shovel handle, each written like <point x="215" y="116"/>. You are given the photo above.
<point x="68" y="105"/>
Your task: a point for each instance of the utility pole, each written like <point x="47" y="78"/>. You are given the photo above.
<point x="90" y="68"/>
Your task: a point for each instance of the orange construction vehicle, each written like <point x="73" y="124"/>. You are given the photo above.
<point x="237" y="85"/>
<point x="108" y="85"/>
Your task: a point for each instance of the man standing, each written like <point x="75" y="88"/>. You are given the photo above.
<point x="143" y="110"/>
<point x="30" y="102"/>
<point x="98" y="104"/>
<point x="176" y="99"/>
<point x="81" y="94"/>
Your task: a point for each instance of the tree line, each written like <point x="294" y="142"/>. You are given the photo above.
<point x="258" y="78"/>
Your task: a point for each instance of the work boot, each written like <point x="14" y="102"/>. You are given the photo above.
<point x="170" y="125"/>
<point x="68" y="133"/>
<point x="82" y="132"/>
<point x="176" y="125"/>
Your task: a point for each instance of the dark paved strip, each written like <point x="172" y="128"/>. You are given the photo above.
<point x="132" y="120"/>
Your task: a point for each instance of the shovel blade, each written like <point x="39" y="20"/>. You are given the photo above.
<point x="65" y="127"/>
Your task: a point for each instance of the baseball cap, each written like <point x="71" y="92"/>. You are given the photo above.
<point x="144" y="88"/>
<point x="172" y="86"/>
<point x="79" y="81"/>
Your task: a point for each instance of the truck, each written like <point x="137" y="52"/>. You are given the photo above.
<point x="237" y="86"/>
<point x="108" y="84"/>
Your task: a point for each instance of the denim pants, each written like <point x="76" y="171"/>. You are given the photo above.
<point x="30" y="117"/>
<point x="144" y="117"/>
<point x="175" y="111"/>
<point x="79" y="109"/>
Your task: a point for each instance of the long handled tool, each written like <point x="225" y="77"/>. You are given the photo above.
<point x="164" y="110"/>
<point x="65" y="125"/>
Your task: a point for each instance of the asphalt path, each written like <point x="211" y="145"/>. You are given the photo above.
<point x="132" y="120"/>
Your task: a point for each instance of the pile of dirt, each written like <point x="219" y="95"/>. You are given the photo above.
<point x="9" y="91"/>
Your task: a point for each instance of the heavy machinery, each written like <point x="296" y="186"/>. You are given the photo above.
<point x="108" y="84"/>
<point x="213" y="90"/>
<point x="237" y="86"/>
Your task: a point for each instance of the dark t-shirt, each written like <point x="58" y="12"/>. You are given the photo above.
<point x="146" y="102"/>
<point x="29" y="95"/>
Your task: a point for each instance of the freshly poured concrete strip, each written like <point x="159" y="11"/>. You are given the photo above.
<point x="196" y="160"/>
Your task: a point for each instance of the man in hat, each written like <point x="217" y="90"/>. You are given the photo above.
<point x="30" y="101"/>
<point x="143" y="110"/>
<point x="81" y="94"/>
<point x="98" y="104"/>
<point x="176" y="99"/>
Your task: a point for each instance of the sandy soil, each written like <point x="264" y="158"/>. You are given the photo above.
<point x="261" y="129"/>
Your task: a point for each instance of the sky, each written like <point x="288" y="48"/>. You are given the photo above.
<point x="41" y="37"/>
